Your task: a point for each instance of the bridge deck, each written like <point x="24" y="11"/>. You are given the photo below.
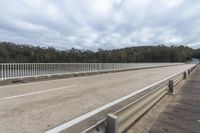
<point x="182" y="115"/>
<point x="37" y="107"/>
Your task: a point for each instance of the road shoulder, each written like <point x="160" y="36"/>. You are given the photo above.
<point x="163" y="118"/>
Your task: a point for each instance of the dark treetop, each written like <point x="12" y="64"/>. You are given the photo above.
<point x="12" y="53"/>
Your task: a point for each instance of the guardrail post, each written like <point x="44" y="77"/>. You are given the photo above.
<point x="189" y="72"/>
<point x="184" y="75"/>
<point x="171" y="87"/>
<point x="112" y="122"/>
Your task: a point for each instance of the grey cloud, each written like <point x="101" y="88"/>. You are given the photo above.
<point x="93" y="24"/>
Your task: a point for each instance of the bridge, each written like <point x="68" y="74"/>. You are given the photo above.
<point x="108" y="99"/>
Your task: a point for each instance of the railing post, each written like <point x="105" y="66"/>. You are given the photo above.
<point x="1" y="71"/>
<point x="112" y="122"/>
<point x="171" y="87"/>
<point x="184" y="75"/>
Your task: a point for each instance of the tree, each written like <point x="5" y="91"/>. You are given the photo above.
<point x="12" y="53"/>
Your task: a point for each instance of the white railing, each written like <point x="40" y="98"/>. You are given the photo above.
<point x="21" y="70"/>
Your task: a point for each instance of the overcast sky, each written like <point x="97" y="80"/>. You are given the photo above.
<point x="106" y="24"/>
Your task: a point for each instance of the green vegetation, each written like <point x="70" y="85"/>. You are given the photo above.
<point x="12" y="53"/>
<point x="196" y="53"/>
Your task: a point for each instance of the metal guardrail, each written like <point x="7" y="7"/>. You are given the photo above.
<point x="21" y="70"/>
<point x="120" y="120"/>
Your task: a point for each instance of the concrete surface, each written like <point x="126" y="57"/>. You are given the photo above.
<point x="37" y="107"/>
<point x="182" y="115"/>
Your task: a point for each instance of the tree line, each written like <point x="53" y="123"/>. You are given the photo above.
<point x="12" y="53"/>
<point x="196" y="53"/>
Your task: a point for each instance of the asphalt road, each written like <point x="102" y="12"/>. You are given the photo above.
<point x="40" y="106"/>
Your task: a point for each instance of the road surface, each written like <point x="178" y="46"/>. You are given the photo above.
<point x="40" y="106"/>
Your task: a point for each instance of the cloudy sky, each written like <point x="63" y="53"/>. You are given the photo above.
<point x="93" y="24"/>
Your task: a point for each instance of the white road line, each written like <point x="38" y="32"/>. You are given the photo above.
<point x="106" y="106"/>
<point x="38" y="92"/>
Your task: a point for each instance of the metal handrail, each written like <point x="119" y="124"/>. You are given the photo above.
<point x="119" y="121"/>
<point x="22" y="70"/>
<point x="153" y="93"/>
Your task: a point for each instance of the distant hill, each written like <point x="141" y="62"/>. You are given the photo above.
<point x="12" y="53"/>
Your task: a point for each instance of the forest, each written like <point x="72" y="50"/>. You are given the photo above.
<point x="196" y="53"/>
<point x="15" y="53"/>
